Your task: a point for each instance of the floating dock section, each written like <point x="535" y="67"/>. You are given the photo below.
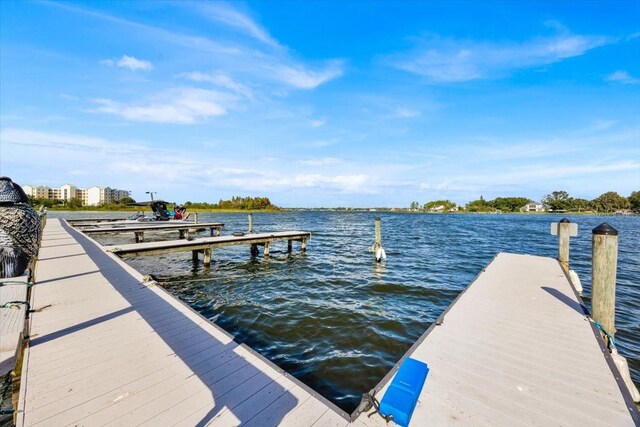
<point x="109" y="348"/>
<point x="183" y="229"/>
<point x="205" y="245"/>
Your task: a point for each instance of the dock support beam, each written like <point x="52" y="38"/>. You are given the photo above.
<point x="563" y="243"/>
<point x="181" y="236"/>
<point x="139" y="236"/>
<point x="250" y="228"/>
<point x="303" y="245"/>
<point x="207" y="257"/>
<point x="266" y="248"/>
<point x="194" y="256"/>
<point x="289" y="246"/>
<point x="604" y="250"/>
<point x="254" y="249"/>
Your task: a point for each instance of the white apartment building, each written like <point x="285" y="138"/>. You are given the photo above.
<point x="91" y="196"/>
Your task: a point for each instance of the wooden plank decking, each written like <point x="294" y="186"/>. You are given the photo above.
<point x="184" y="229"/>
<point x="517" y="349"/>
<point x="12" y="318"/>
<point x="109" y="349"/>
<point x="154" y="248"/>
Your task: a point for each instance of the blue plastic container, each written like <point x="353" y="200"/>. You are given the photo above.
<point x="402" y="395"/>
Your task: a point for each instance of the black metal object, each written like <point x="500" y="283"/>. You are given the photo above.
<point x="605" y="229"/>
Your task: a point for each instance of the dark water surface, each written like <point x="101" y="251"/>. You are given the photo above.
<point x="338" y="321"/>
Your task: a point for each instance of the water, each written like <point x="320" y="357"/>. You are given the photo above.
<point x="337" y="320"/>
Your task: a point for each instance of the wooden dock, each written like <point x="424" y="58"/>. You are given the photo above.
<point x="184" y="229"/>
<point x="75" y="221"/>
<point x="108" y="348"/>
<point x="206" y="244"/>
<point x="516" y="348"/>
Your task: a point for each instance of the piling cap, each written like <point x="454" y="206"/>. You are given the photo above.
<point x="564" y="221"/>
<point x="605" y="229"/>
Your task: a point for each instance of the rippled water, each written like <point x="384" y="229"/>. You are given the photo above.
<point x="337" y="320"/>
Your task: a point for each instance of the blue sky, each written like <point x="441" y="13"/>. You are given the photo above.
<point x="323" y="103"/>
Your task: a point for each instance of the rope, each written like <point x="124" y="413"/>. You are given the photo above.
<point x="15" y="282"/>
<point x="612" y="342"/>
<point x="12" y="303"/>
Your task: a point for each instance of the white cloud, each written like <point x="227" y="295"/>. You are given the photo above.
<point x="300" y="77"/>
<point x="262" y="65"/>
<point x="225" y="14"/>
<point x="317" y="123"/>
<point x="321" y="162"/>
<point x="129" y="62"/>
<point x="622" y="77"/>
<point x="178" y="105"/>
<point x="449" y="60"/>
<point x="221" y="80"/>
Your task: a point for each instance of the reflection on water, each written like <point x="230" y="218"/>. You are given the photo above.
<point x="335" y="318"/>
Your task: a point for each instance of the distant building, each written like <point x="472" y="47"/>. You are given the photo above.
<point x="91" y="196"/>
<point x="533" y="207"/>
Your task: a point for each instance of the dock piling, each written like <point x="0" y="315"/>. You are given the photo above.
<point x="604" y="251"/>
<point x="378" y="251"/>
<point x="250" y="229"/>
<point x="266" y="249"/>
<point x="207" y="257"/>
<point x="139" y="236"/>
<point x="563" y="243"/>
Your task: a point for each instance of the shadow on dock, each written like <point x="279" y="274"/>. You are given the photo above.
<point x="231" y="380"/>
<point x="567" y="300"/>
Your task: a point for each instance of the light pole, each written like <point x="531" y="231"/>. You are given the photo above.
<point x="151" y="193"/>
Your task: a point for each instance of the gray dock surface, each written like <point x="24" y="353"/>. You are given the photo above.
<point x="152" y="248"/>
<point x="516" y="349"/>
<point x="155" y="227"/>
<point x="109" y="349"/>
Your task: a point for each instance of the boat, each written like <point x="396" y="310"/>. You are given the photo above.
<point x="160" y="214"/>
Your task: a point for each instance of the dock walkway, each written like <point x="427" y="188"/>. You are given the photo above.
<point x="517" y="349"/>
<point x="206" y="244"/>
<point x="183" y="229"/>
<point x="109" y="349"/>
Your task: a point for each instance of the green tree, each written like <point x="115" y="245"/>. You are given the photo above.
<point x="480" y="205"/>
<point x="580" y="205"/>
<point x="126" y="201"/>
<point x="557" y="200"/>
<point x="610" y="202"/>
<point x="414" y="206"/>
<point x="634" y="201"/>
<point x="509" y="204"/>
<point x="440" y="205"/>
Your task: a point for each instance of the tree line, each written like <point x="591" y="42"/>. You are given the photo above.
<point x="556" y="201"/>
<point x="236" y="203"/>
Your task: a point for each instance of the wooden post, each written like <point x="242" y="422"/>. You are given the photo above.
<point x="196" y="218"/>
<point x="604" y="252"/>
<point x="181" y="236"/>
<point x="254" y="249"/>
<point x="207" y="257"/>
<point x="139" y="236"/>
<point x="266" y="248"/>
<point x="289" y="246"/>
<point x="378" y="242"/>
<point x="303" y="245"/>
<point x="250" y="229"/>
<point x="194" y="256"/>
<point x="563" y="243"/>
